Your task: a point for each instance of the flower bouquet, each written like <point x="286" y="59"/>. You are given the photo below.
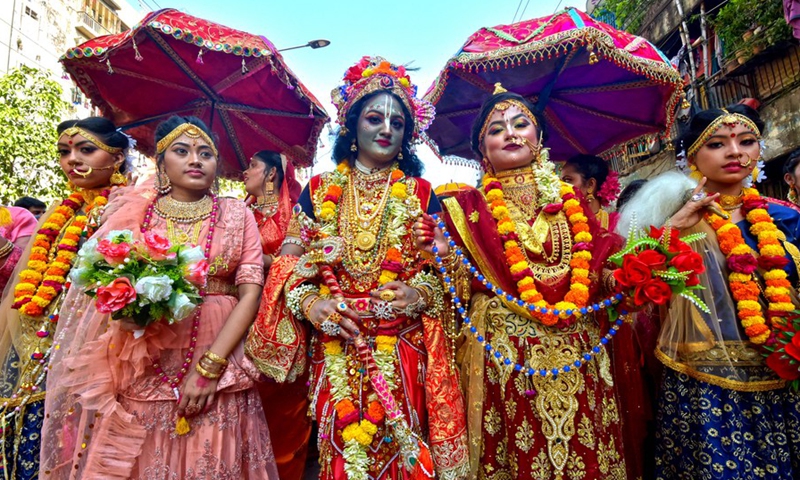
<point x="145" y="281"/>
<point x="655" y="266"/>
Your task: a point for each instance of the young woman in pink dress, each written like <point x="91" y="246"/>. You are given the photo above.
<point x="112" y="406"/>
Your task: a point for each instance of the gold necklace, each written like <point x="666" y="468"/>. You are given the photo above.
<point x="365" y="238"/>
<point x="266" y="205"/>
<point x="731" y="202"/>
<point x="184" y="212"/>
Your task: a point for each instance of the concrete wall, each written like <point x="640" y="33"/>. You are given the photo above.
<point x="782" y="118"/>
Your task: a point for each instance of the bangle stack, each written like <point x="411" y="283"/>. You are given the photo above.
<point x="211" y="365"/>
<point x="296" y="297"/>
<point x="6" y="249"/>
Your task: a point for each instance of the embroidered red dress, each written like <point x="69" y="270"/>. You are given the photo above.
<point x="533" y="427"/>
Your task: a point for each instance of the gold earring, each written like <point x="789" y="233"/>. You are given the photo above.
<point x="400" y="156"/>
<point x="163" y="185"/>
<point x="353" y="147"/>
<point x="590" y="196"/>
<point x="118" y="178"/>
<point x="270" y="189"/>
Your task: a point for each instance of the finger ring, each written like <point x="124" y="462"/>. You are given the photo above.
<point x="192" y="409"/>
<point x="333" y="318"/>
<point x="341" y="306"/>
<point x="330" y="328"/>
<point x="698" y="196"/>
<point x="387" y="295"/>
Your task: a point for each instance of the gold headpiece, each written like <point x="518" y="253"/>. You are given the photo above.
<point x="726" y="119"/>
<point x="191" y="131"/>
<point x="72" y="131"/>
<point x="503" y="106"/>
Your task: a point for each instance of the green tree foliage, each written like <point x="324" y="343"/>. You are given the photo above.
<point x="628" y="14"/>
<point x="30" y="109"/>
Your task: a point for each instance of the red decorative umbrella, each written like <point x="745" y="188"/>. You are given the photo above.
<point x="174" y="63"/>
<point x="597" y="86"/>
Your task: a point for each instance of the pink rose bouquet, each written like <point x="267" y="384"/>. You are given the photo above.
<point x="145" y="280"/>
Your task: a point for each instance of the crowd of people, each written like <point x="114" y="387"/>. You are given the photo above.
<point x="393" y="333"/>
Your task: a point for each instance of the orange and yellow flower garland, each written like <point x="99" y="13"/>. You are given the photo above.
<point x="742" y="263"/>
<point x="44" y="280"/>
<point x="578" y="295"/>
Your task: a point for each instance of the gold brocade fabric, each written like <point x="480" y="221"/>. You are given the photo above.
<point x="568" y="428"/>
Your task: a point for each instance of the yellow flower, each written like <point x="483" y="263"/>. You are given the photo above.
<point x="385" y="343"/>
<point x="580" y="272"/>
<point x="518" y="267"/>
<point x="40" y="301"/>
<point x="580" y="286"/>
<point x="506" y="227"/>
<point x="740" y="277"/>
<point x="343" y="168"/>
<point x="773" y="250"/>
<point x="324" y="290"/>
<point x="742" y="249"/>
<point x="494" y="194"/>
<point x="584" y="237"/>
<point x="583" y="255"/>
<point x="782" y="307"/>
<point x="576" y="218"/>
<point x="500" y="212"/>
<point x="759" y="339"/>
<point x="404" y="82"/>
<point x="334" y="347"/>
<point x="525" y="281"/>
<point x="563" y="307"/>
<point x="776" y="274"/>
<point x="510" y="244"/>
<point x="572" y="203"/>
<point x="368" y="427"/>
<point x="399" y="191"/>
<point x="566" y="188"/>
<point x="749" y="305"/>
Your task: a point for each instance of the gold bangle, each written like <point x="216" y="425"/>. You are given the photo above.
<point x="211" y="366"/>
<point x="205" y="373"/>
<point x="215" y="358"/>
<point x="6" y="249"/>
<point x="307" y="310"/>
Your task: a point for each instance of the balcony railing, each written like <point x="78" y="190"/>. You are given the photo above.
<point x="92" y="24"/>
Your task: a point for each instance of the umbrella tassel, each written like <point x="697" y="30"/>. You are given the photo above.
<point x="199" y="58"/>
<point x="138" y="56"/>
<point x="244" y="67"/>
<point x="110" y="70"/>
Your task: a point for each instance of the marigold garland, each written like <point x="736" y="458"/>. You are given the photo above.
<point x="742" y="263"/>
<point x="44" y="279"/>
<point x="521" y="273"/>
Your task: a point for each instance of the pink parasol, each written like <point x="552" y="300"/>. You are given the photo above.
<point x="174" y="63"/>
<point x="596" y="86"/>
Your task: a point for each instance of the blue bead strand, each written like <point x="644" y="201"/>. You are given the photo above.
<point x="583" y="358"/>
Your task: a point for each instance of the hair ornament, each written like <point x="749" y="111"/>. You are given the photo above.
<point x="191" y="130"/>
<point x="72" y="131"/>
<point x="727" y="119"/>
<point x="609" y="192"/>
<point x="372" y="74"/>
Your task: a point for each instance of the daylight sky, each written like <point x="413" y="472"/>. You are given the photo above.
<point x="421" y="33"/>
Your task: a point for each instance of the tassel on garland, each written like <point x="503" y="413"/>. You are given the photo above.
<point x="423" y="467"/>
<point x="182" y="426"/>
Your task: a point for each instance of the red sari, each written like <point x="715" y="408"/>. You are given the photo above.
<point x="285" y="404"/>
<point x="534" y="427"/>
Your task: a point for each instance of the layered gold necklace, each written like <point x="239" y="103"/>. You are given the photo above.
<point x="369" y="202"/>
<point x="183" y="218"/>
<point x="731" y="202"/>
<point x="266" y="205"/>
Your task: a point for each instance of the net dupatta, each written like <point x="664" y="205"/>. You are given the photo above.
<point x="712" y="347"/>
<point x="81" y="401"/>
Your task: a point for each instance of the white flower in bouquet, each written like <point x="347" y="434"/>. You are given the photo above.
<point x="191" y="255"/>
<point x="88" y="253"/>
<point x="181" y="306"/>
<point x="81" y="276"/>
<point x="154" y="289"/>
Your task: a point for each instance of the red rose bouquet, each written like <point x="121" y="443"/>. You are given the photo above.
<point x="653" y="267"/>
<point x="145" y="280"/>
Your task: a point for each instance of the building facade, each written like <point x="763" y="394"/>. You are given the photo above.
<point x="727" y="51"/>
<point x="37" y="32"/>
